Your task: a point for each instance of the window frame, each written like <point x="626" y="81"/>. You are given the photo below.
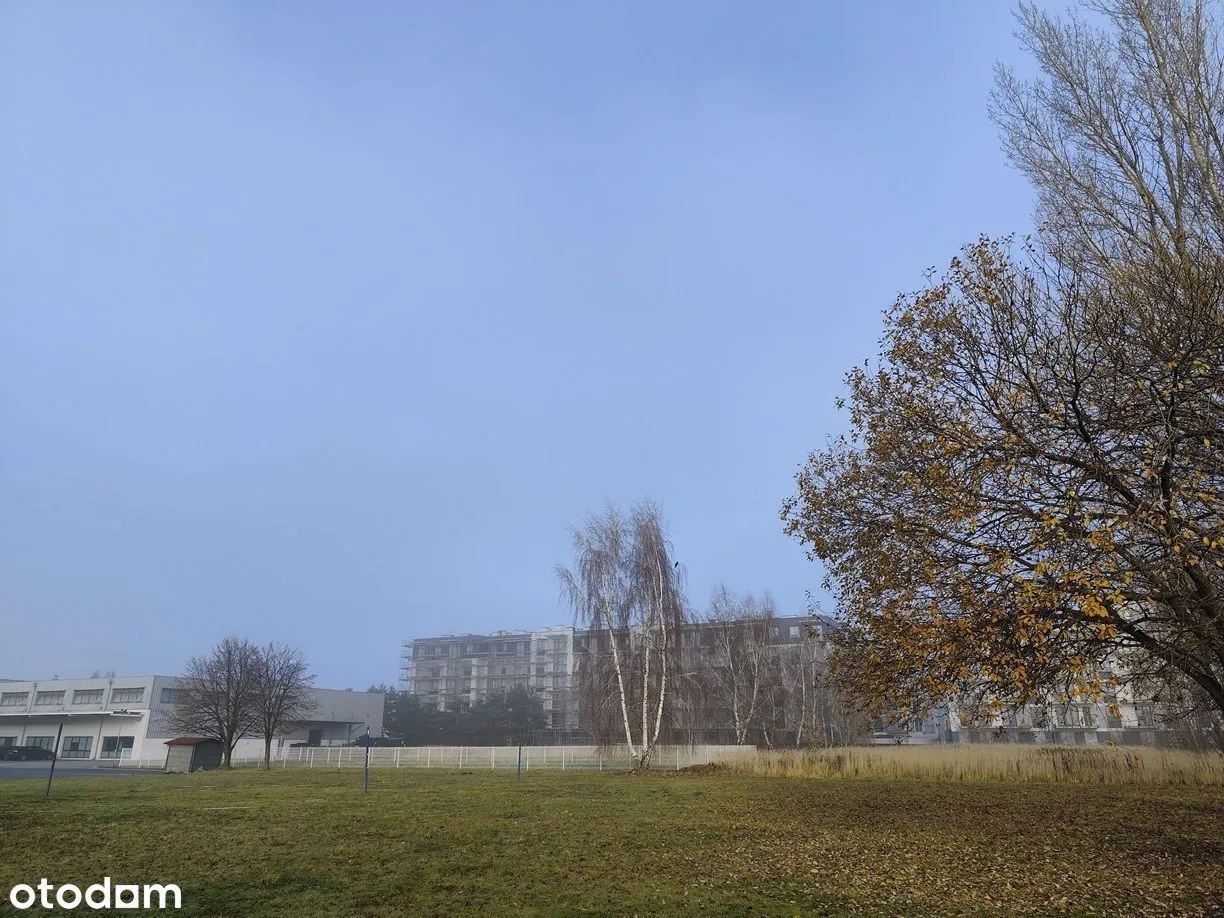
<point x="68" y="751"/>
<point x="116" y="743"/>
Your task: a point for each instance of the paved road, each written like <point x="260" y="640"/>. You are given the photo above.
<point x="65" y="770"/>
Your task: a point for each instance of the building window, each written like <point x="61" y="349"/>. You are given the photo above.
<point x="126" y="695"/>
<point x="171" y="695"/>
<point x="13" y="699"/>
<point x="42" y="742"/>
<point x="87" y="696"/>
<point x="76" y="747"/>
<point x="49" y="698"/>
<point x="7" y="741"/>
<point x="112" y="744"/>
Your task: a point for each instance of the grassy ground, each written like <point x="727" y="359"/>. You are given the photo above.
<point x="295" y="843"/>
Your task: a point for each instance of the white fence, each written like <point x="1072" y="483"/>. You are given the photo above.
<point x="494" y="757"/>
<point x="474" y="757"/>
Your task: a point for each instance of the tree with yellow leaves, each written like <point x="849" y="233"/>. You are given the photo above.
<point x="1032" y="488"/>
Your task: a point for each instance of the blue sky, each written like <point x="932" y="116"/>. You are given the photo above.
<point x="325" y="322"/>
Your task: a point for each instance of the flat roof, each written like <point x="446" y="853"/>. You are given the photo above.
<point x="139" y="713"/>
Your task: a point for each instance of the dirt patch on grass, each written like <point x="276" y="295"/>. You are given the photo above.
<point x="711" y="768"/>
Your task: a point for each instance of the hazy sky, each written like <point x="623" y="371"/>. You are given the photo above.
<point x="325" y="322"/>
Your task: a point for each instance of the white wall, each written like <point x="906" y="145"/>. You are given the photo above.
<point x="341" y="716"/>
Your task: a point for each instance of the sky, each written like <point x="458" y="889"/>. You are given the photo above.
<point x="326" y="323"/>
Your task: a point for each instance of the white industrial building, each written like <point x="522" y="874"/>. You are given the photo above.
<point x="125" y="718"/>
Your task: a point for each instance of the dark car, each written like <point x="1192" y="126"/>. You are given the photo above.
<point x="25" y="753"/>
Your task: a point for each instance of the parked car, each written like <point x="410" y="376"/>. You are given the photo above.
<point x="25" y="753"/>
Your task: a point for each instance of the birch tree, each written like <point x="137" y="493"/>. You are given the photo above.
<point x="1119" y="133"/>
<point x="625" y="590"/>
<point x="742" y="664"/>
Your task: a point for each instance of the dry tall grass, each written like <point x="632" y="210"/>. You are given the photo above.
<point x="1063" y="764"/>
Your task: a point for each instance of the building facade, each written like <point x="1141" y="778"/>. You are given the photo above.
<point x="454" y="672"/>
<point x="1120" y="718"/>
<point x="127" y="718"/>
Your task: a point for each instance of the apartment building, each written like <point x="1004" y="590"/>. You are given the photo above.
<point x="1122" y="718"/>
<point x="454" y="672"/>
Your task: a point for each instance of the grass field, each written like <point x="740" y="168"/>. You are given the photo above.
<point x="704" y="842"/>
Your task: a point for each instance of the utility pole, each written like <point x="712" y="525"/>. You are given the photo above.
<point x="366" y="787"/>
<point x="54" y="758"/>
<point x="122" y="712"/>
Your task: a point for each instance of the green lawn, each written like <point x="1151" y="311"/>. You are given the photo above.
<point x="297" y="842"/>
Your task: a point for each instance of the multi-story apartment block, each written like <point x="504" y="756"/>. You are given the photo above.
<point x="1121" y="716"/>
<point x="454" y="672"/>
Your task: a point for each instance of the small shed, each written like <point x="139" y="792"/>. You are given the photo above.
<point x="193" y="753"/>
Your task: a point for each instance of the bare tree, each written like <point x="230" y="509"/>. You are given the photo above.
<point x="742" y="664"/>
<point x="1120" y="133"/>
<point x="811" y="700"/>
<point x="218" y="694"/>
<point x="626" y="592"/>
<point x="283" y="692"/>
